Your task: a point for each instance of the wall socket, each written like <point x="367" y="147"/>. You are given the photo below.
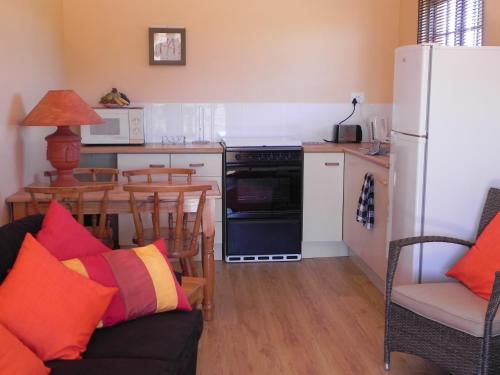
<point x="360" y="97"/>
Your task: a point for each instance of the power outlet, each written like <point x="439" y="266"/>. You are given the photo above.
<point x="360" y="97"/>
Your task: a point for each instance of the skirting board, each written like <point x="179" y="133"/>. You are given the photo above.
<point x="372" y="276"/>
<point x="324" y="249"/>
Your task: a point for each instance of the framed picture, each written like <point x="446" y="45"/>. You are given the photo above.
<point x="167" y="46"/>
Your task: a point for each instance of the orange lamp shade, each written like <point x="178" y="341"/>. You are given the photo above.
<point x="62" y="108"/>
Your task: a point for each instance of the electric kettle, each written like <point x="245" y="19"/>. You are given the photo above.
<point x="378" y="129"/>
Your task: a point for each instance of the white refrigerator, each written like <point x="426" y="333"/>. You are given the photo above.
<point x="445" y="150"/>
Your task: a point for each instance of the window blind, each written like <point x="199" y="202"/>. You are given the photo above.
<point x="450" y="22"/>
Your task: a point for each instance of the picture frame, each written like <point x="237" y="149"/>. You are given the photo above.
<point x="167" y="46"/>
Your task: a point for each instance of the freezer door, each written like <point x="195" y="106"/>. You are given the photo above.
<point x="406" y="190"/>
<point x="411" y="86"/>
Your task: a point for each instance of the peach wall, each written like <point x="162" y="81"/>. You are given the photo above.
<point x="408" y="19"/>
<point x="260" y="50"/>
<point x="492" y="23"/>
<point x="31" y="63"/>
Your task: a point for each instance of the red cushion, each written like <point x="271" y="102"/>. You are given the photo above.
<point x="64" y="237"/>
<point x="476" y="269"/>
<point x="50" y="308"/>
<point x="152" y="289"/>
<point x="16" y="358"/>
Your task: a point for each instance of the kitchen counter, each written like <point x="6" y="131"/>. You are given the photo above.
<point x="155" y="148"/>
<point x="358" y="149"/>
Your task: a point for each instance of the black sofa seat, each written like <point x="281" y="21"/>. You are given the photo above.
<point x="115" y="366"/>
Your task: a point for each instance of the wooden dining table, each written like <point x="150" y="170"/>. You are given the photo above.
<point x="118" y="203"/>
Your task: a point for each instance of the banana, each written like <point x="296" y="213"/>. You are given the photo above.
<point x="120" y="101"/>
<point x="115" y="97"/>
<point x="124" y="97"/>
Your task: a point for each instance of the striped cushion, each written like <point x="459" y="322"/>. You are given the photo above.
<point x="144" y="277"/>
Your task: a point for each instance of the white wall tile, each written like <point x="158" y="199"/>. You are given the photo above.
<point x="211" y="121"/>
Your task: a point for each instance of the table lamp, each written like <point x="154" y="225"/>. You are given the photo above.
<point x="62" y="108"/>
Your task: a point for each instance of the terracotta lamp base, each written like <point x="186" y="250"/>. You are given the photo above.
<point x="63" y="152"/>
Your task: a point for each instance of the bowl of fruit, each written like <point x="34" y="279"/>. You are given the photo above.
<point x="115" y="99"/>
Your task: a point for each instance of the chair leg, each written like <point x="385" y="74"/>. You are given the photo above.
<point x="191" y="267"/>
<point x="182" y="262"/>
<point x="387" y="355"/>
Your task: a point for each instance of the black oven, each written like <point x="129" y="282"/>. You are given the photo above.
<point x="263" y="204"/>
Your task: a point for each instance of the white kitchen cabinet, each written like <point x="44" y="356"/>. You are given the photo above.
<point x="204" y="164"/>
<point x="368" y="248"/>
<point x="140" y="161"/>
<point x="323" y="205"/>
<point x="208" y="168"/>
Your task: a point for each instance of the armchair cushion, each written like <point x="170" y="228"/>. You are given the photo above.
<point x="450" y="304"/>
<point x="476" y="269"/>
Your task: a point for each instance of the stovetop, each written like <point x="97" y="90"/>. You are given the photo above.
<point x="261" y="142"/>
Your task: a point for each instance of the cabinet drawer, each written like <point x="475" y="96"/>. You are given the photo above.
<point x="204" y="164"/>
<point x="139" y="161"/>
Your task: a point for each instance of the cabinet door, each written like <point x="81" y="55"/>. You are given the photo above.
<point x="323" y="196"/>
<point x="368" y="245"/>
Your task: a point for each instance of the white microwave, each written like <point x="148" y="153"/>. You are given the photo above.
<point x="121" y="126"/>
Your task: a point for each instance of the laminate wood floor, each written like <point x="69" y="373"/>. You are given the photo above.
<point x="317" y="316"/>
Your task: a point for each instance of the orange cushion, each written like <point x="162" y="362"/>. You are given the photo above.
<point x="476" y="269"/>
<point x="50" y="308"/>
<point x="16" y="358"/>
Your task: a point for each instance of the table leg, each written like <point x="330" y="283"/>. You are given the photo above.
<point x="208" y="261"/>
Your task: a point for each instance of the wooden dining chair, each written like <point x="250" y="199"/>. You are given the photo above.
<point x="72" y="199"/>
<point x="182" y="240"/>
<point x="89" y="174"/>
<point x="96" y="175"/>
<point x="157" y="173"/>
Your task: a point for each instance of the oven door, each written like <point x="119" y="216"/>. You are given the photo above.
<point x="115" y="130"/>
<point x="263" y="191"/>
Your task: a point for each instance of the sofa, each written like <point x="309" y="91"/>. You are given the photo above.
<point x="160" y="344"/>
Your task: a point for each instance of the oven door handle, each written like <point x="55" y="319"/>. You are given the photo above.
<point x="231" y="171"/>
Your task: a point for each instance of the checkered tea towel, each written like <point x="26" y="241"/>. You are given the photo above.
<point x="366" y="204"/>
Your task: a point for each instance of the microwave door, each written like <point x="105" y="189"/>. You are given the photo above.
<point x="114" y="130"/>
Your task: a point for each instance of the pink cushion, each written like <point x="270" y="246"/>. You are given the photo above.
<point x="64" y="237"/>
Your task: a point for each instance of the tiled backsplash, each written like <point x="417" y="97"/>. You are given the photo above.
<point x="211" y="121"/>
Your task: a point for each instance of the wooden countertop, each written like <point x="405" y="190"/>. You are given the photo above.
<point x="155" y="148"/>
<point x="358" y="149"/>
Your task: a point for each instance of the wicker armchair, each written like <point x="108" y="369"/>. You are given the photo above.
<point x="433" y="328"/>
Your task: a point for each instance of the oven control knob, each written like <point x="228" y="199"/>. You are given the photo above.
<point x="237" y="157"/>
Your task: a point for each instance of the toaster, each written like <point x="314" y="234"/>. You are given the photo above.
<point x="347" y="134"/>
